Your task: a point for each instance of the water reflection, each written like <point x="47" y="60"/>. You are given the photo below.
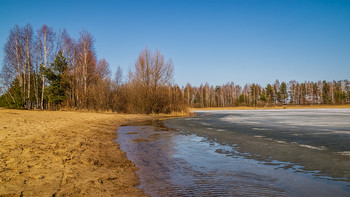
<point x="177" y="163"/>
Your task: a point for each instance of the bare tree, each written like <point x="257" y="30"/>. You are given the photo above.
<point x="45" y="44"/>
<point x="151" y="73"/>
<point x="14" y="62"/>
<point x="118" y="77"/>
<point x="28" y="57"/>
<point x="86" y="63"/>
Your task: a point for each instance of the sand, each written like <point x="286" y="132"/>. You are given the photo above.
<point x="46" y="153"/>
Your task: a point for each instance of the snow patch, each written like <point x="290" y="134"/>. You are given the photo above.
<point x="345" y="153"/>
<point x="313" y="147"/>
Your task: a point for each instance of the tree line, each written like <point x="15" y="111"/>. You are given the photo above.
<point x="45" y="69"/>
<point x="295" y="93"/>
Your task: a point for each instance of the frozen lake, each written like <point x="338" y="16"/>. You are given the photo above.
<point x="317" y="139"/>
<point x="225" y="153"/>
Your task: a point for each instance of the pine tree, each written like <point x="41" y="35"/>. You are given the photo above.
<point x="269" y="93"/>
<point x="13" y="98"/>
<point x="325" y="93"/>
<point x="283" y="92"/>
<point x="56" y="76"/>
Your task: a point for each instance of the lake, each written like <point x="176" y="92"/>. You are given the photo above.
<point x="255" y="152"/>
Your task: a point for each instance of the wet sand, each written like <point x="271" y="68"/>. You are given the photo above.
<point x="45" y="153"/>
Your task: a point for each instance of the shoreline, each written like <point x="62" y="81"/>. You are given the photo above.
<point x="56" y="153"/>
<point x="272" y="107"/>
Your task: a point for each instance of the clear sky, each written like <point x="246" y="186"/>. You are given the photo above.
<point x="219" y="41"/>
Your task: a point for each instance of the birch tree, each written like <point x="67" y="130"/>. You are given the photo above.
<point x="85" y="66"/>
<point x="28" y="59"/>
<point x="45" y="44"/>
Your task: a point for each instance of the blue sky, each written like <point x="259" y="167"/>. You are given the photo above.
<point x="209" y="41"/>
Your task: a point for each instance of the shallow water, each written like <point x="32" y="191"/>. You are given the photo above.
<point x="173" y="163"/>
<point x="316" y="140"/>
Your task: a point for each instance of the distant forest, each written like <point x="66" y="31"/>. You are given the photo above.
<point x="293" y="92"/>
<point x="45" y="69"/>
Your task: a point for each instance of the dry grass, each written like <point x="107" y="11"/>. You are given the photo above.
<point x="57" y="153"/>
<point x="273" y="107"/>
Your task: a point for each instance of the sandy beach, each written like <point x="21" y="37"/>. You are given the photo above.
<point x="57" y="153"/>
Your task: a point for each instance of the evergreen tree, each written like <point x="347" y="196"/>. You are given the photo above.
<point x="283" y="92"/>
<point x="325" y="93"/>
<point x="13" y="98"/>
<point x="56" y="76"/>
<point x="269" y="93"/>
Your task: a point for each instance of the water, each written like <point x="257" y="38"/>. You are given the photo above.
<point x="173" y="163"/>
<point x="317" y="141"/>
